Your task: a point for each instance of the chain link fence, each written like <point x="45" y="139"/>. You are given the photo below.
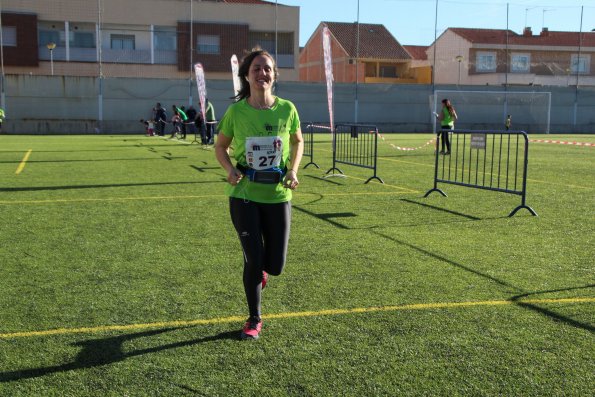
<point x="100" y="65"/>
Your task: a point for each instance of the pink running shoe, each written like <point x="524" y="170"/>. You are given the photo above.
<point x="265" y="279"/>
<point x="251" y="328"/>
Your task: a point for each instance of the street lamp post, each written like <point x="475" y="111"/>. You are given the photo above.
<point x="51" y="47"/>
<point x="459" y="59"/>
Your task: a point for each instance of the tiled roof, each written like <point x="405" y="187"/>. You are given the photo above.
<point x="544" y="38"/>
<point x="248" y="1"/>
<point x="417" y="52"/>
<point x="376" y="42"/>
<point x="485" y="36"/>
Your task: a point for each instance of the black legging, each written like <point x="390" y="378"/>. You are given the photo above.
<point x="263" y="230"/>
<point x="445" y="130"/>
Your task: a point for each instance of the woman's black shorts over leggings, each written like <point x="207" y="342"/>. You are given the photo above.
<point x="263" y="230"/>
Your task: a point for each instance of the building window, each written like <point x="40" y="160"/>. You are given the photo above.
<point x="9" y="36"/>
<point x="82" y="39"/>
<point x="520" y="63"/>
<point x="50" y="36"/>
<point x="165" y="40"/>
<point x="207" y="44"/>
<point x="122" y="42"/>
<point x="266" y="41"/>
<point x="283" y="48"/>
<point x="580" y="64"/>
<point x="388" y="71"/>
<point x="485" y="62"/>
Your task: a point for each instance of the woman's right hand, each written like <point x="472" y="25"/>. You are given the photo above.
<point x="234" y="176"/>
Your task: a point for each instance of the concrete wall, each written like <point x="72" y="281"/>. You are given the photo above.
<point x="71" y="105"/>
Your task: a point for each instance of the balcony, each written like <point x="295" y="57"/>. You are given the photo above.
<point x="161" y="57"/>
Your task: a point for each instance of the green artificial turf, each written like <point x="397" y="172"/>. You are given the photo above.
<point x="385" y="292"/>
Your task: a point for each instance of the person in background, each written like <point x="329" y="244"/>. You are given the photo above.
<point x="191" y="123"/>
<point x="447" y="118"/>
<point x="181" y="123"/>
<point x="210" y="124"/>
<point x="268" y="147"/>
<point x="149" y="127"/>
<point x="176" y="122"/>
<point x="207" y="128"/>
<point x="508" y="122"/>
<point x="160" y="119"/>
<point x="2" y="117"/>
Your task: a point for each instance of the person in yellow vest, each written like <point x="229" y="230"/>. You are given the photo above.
<point x="2" y="117"/>
<point x="447" y="118"/>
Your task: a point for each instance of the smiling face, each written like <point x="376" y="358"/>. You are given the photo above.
<point x="261" y="74"/>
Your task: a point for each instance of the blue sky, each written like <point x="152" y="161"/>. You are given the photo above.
<point x="413" y="21"/>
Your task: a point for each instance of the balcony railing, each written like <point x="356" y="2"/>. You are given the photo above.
<point x="161" y="57"/>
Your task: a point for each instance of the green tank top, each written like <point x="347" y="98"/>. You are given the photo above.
<point x="447" y="119"/>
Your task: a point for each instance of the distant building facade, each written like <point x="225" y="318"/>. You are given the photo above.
<point x="498" y="57"/>
<point x="377" y="58"/>
<point x="420" y="67"/>
<point x="144" y="38"/>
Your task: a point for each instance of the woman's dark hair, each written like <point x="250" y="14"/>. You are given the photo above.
<point x="451" y="110"/>
<point x="244" y="69"/>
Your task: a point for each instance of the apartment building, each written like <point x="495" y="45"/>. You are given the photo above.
<point x="497" y="56"/>
<point x="144" y="38"/>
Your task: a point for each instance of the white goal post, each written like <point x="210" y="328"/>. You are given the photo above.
<point x="488" y="110"/>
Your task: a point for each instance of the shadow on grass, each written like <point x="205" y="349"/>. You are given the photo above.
<point x="170" y="157"/>
<point x="67" y="187"/>
<point x="450" y="262"/>
<point x="549" y="313"/>
<point x="202" y="169"/>
<point x="105" y="351"/>
<point x="329" y="217"/>
<point x="318" y="178"/>
<point x="189" y="389"/>
<point x="516" y="298"/>
<point x="145" y="146"/>
<point x="87" y="160"/>
<point x="442" y="209"/>
<point x="59" y="151"/>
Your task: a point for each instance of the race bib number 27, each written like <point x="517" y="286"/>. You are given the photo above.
<point x="264" y="152"/>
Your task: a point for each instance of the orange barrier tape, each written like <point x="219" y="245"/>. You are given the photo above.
<point x="326" y="127"/>
<point x="408" y="148"/>
<point x="562" y="142"/>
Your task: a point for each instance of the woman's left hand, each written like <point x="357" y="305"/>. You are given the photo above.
<point x="291" y="180"/>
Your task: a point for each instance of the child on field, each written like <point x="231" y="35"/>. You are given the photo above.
<point x="176" y="121"/>
<point x="149" y="127"/>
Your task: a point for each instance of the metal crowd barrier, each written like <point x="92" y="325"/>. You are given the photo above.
<point x="490" y="160"/>
<point x="356" y="145"/>
<point x="308" y="131"/>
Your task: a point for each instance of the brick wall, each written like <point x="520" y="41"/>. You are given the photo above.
<point x="233" y="39"/>
<point x="25" y="52"/>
